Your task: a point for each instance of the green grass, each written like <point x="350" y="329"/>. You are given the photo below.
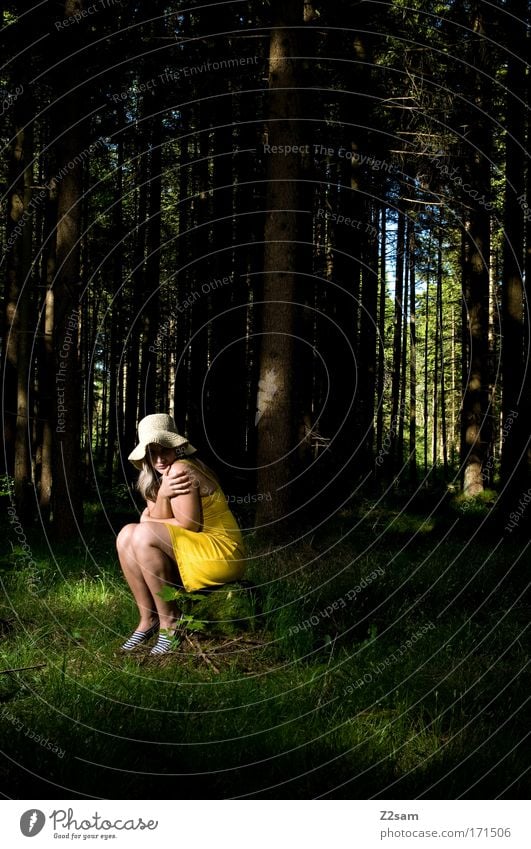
<point x="310" y="697"/>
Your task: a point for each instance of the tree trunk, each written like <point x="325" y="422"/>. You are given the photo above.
<point x="115" y="319"/>
<point x="393" y="458"/>
<point x="475" y="424"/>
<point x="67" y="499"/>
<point x="403" y="364"/>
<point x="381" y="384"/>
<point x="426" y="365"/>
<point x="149" y="384"/>
<point x="514" y="422"/>
<point x="412" y="358"/>
<point x="16" y="301"/>
<point x="47" y="356"/>
<point x="132" y="352"/>
<point x="20" y="282"/>
<point x="18" y="234"/>
<point x="444" y="438"/>
<point x="367" y="346"/>
<point x="437" y="342"/>
<point x="275" y="415"/>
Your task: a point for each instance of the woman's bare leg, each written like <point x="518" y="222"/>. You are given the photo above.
<point x="154" y="554"/>
<point x="133" y="575"/>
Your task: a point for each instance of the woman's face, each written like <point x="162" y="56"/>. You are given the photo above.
<point x="161" y="457"/>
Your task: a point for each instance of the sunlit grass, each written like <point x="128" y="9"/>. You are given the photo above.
<point x="285" y="703"/>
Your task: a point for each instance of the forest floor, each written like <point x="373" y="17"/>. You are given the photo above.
<point x="389" y="664"/>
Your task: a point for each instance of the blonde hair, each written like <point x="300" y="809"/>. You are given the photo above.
<point x="148" y="482"/>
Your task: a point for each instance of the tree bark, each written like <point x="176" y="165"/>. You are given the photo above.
<point x="67" y="498"/>
<point x="513" y="257"/>
<point x="367" y="345"/>
<point x="381" y="382"/>
<point x="18" y="303"/>
<point x="442" y="372"/>
<point x="115" y="319"/>
<point x="275" y="415"/>
<point x="135" y="303"/>
<point x="475" y="423"/>
<point x="149" y="384"/>
<point x="392" y="458"/>
<point x="426" y="363"/>
<point x="412" y="357"/>
<point x="47" y="355"/>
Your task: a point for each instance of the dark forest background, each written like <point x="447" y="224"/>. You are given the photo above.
<point x="303" y="229"/>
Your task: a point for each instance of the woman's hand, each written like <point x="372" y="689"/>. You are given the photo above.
<point x="174" y="482"/>
<point x="186" y="511"/>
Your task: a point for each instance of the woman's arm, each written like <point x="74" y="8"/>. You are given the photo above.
<point x="175" y="522"/>
<point x="187" y="508"/>
<point x="175" y="482"/>
<point x="184" y="509"/>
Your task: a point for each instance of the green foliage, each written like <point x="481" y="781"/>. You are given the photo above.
<point x="226" y="610"/>
<point x="7" y="484"/>
<point x="346" y="690"/>
<point x="121" y="493"/>
<point x="475" y="505"/>
<point x="188" y="622"/>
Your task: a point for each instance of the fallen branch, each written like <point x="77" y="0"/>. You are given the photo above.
<point x="228" y="643"/>
<point x="246" y="645"/>
<point x="202" y="655"/>
<point x="22" y="668"/>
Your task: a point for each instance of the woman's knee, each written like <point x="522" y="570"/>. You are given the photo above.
<point x="125" y="537"/>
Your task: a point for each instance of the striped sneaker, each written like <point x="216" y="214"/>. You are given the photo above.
<point x="167" y="641"/>
<point x="139" y="637"/>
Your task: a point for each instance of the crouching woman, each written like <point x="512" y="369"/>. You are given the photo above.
<point x="187" y="536"/>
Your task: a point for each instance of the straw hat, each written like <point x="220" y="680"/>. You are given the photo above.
<point x="158" y="429"/>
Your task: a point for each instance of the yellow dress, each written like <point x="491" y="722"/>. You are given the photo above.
<point x="214" y="555"/>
